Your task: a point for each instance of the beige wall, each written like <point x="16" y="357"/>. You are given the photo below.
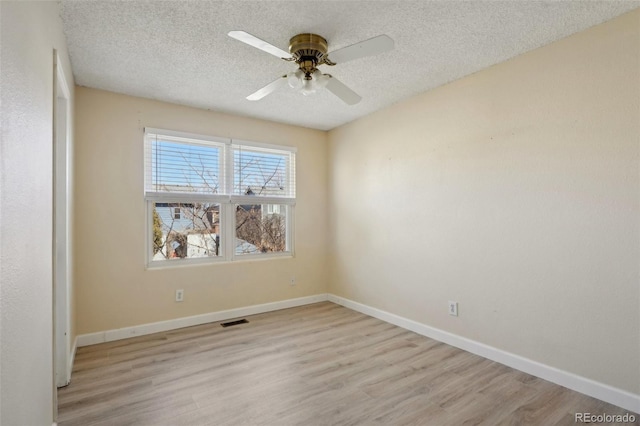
<point x="515" y="192"/>
<point x="30" y="33"/>
<point x="114" y="289"/>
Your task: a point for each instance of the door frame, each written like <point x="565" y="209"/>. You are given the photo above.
<point x="61" y="226"/>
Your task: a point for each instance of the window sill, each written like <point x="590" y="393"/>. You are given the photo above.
<point x="181" y="263"/>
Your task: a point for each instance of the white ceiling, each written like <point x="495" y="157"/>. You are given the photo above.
<point x="179" y="51"/>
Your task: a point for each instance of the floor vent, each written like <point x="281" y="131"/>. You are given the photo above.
<point x="236" y="322"/>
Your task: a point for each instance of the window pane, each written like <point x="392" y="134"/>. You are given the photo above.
<point x="185" y="230"/>
<point x="262" y="172"/>
<point x="261" y="228"/>
<point x="184" y="167"/>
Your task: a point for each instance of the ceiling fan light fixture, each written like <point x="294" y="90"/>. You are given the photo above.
<point x="309" y="87"/>
<point x="307" y="83"/>
<point x="313" y="82"/>
<point x="295" y="79"/>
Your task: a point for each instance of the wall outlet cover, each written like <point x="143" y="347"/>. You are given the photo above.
<point x="453" y="308"/>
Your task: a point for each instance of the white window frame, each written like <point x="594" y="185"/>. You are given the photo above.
<point x="226" y="199"/>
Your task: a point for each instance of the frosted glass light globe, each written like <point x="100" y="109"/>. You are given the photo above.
<point x="295" y="79"/>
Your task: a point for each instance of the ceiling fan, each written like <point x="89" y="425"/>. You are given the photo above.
<point x="309" y="51"/>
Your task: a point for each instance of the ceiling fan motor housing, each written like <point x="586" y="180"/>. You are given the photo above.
<point x="309" y="51"/>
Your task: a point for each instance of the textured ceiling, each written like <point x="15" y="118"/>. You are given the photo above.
<point x="179" y="51"/>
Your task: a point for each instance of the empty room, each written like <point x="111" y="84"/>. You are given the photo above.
<point x="319" y="212"/>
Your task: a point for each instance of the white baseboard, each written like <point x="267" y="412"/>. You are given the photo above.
<point x="156" y="327"/>
<point x="615" y="396"/>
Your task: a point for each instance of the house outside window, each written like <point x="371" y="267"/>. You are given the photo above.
<point x="215" y="199"/>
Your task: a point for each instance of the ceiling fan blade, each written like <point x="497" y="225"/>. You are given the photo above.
<point x="338" y="88"/>
<point x="269" y="88"/>
<point x="373" y="46"/>
<point x="258" y="43"/>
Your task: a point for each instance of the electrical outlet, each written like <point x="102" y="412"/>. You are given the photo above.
<point x="292" y="282"/>
<point x="179" y="295"/>
<point x="453" y="308"/>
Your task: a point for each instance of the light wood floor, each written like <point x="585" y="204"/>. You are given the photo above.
<point x="320" y="364"/>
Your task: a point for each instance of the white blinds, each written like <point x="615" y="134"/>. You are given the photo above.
<point x="177" y="163"/>
<point x="262" y="172"/>
<point x="184" y="166"/>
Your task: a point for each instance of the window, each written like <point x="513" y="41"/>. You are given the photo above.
<point x="211" y="199"/>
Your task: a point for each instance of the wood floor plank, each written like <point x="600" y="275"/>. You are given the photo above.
<point x="319" y="364"/>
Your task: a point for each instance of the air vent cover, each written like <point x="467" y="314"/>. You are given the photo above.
<point x="236" y="322"/>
